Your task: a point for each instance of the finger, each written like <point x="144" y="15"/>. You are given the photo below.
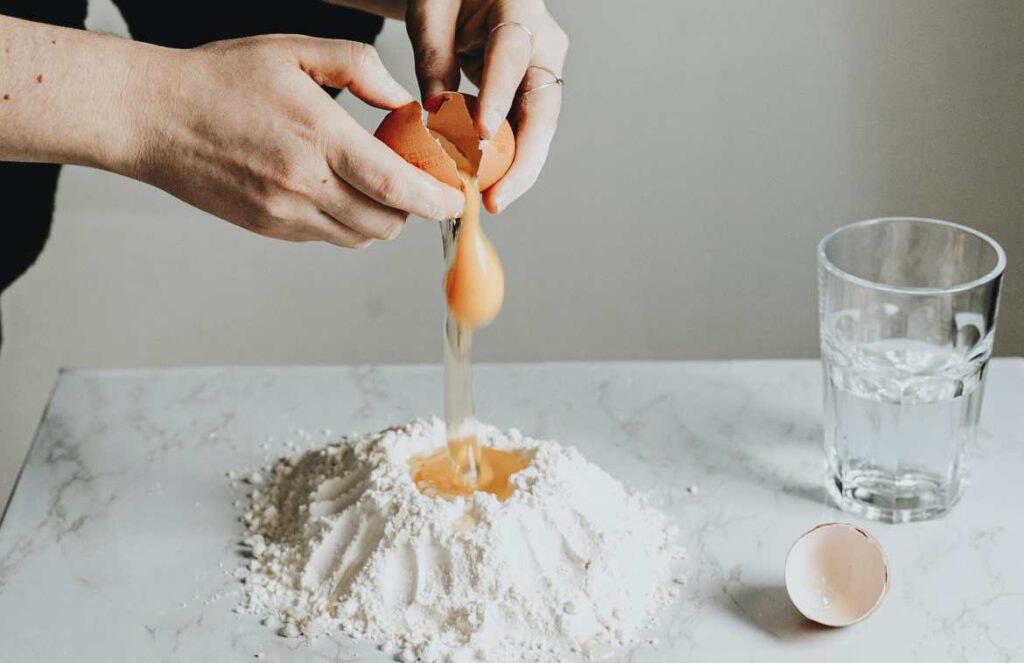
<point x="374" y="169"/>
<point x="302" y="222"/>
<point x="353" y="210"/>
<point x="335" y="233"/>
<point x="509" y="49"/>
<point x="431" y="25"/>
<point x="350" y="64"/>
<point x="472" y="67"/>
<point x="538" y="119"/>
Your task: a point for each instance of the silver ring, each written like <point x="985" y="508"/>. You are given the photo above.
<point x="505" y="24"/>
<point x="558" y="80"/>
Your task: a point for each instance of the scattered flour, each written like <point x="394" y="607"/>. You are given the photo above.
<point x="342" y="539"/>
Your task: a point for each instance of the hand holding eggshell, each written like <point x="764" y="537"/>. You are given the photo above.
<point x="507" y="49"/>
<point x="274" y="154"/>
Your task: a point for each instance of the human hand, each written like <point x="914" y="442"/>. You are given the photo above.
<point x="242" y="129"/>
<point x="487" y="40"/>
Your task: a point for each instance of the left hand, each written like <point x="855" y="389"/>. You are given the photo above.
<point x="505" y="61"/>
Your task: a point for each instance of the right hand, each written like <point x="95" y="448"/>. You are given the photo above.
<point x="451" y="34"/>
<point x="242" y="130"/>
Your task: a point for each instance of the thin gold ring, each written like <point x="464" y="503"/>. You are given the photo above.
<point x="505" y="24"/>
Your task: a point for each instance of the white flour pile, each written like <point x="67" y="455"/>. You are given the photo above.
<point x="342" y="539"/>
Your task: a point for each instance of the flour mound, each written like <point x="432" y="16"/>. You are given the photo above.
<point x="342" y="539"/>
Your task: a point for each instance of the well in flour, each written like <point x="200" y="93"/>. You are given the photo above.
<point x="342" y="538"/>
<point x="439" y="474"/>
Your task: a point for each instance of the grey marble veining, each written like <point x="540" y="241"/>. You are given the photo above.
<point x="120" y="538"/>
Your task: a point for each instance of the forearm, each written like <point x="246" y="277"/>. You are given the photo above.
<point x="386" y="8"/>
<point x="66" y="95"/>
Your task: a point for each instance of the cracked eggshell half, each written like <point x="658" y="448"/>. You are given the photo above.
<point x="448" y="141"/>
<point x="453" y="119"/>
<point x="404" y="132"/>
<point x="837" y="574"/>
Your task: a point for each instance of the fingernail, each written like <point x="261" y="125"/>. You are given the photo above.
<point x="402" y="96"/>
<point x="398" y="92"/>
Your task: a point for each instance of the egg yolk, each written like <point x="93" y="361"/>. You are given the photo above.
<point x="475" y="283"/>
<point x="437" y="474"/>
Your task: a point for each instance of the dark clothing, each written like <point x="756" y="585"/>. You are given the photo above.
<point x="188" y="23"/>
<point x="27" y="190"/>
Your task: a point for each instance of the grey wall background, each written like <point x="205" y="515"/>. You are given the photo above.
<point x="705" y="148"/>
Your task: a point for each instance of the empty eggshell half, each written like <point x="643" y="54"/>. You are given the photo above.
<point x="837" y="574"/>
<point x="448" y="141"/>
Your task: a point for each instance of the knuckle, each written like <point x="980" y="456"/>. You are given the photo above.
<point x="430" y="57"/>
<point x="277" y="213"/>
<point x="381" y="232"/>
<point x="392" y="230"/>
<point x="363" y="56"/>
<point x="390" y="190"/>
<point x="292" y="178"/>
<point x="561" y="39"/>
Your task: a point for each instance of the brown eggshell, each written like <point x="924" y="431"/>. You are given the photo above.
<point x="453" y="119"/>
<point x="404" y="132"/>
<point x="448" y="138"/>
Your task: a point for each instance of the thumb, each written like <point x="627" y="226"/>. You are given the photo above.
<point x="431" y="25"/>
<point x="353" y="65"/>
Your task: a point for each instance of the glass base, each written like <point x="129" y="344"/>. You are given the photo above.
<point x="880" y="496"/>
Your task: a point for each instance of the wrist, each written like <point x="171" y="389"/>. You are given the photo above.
<point x="136" y="100"/>
<point x="70" y="96"/>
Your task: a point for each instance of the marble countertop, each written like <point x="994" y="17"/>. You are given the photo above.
<point x="120" y="538"/>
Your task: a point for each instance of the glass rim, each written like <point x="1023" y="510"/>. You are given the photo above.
<point x="991" y="275"/>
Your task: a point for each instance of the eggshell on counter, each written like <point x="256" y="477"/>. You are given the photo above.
<point x="837" y="574"/>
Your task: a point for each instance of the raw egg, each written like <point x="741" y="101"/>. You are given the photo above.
<point x="448" y="148"/>
<point x="437" y="474"/>
<point x="837" y="574"/>
<point x="474" y="285"/>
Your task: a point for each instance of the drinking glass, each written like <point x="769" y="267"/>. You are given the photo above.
<point x="907" y="309"/>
